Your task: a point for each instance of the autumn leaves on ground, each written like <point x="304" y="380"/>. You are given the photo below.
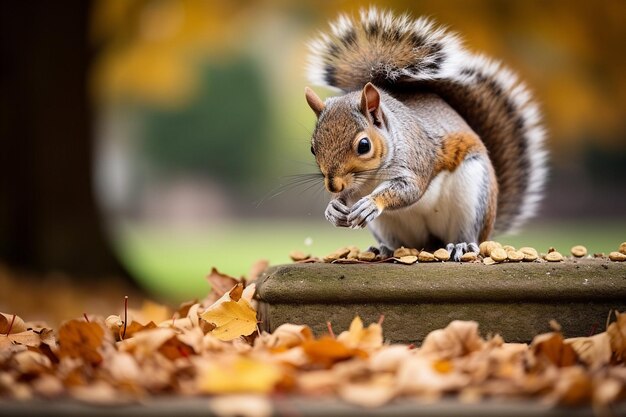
<point x="213" y="347"/>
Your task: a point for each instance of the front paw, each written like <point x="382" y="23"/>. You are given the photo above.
<point x="363" y="212"/>
<point x="337" y="213"/>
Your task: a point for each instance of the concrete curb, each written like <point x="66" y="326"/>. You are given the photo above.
<point x="516" y="300"/>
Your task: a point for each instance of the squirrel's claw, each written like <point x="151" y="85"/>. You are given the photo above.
<point x="363" y="212"/>
<point x="457" y="250"/>
<point x="337" y="213"/>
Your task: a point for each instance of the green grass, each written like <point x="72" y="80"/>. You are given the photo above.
<point x="172" y="265"/>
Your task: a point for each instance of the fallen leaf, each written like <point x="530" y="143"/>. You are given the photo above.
<point x="232" y="319"/>
<point x="79" y="339"/>
<point x="457" y="339"/>
<point x="25" y="338"/>
<point x="617" y="335"/>
<point x="220" y="285"/>
<point x="149" y="312"/>
<point x="595" y="351"/>
<point x="136" y="327"/>
<point x="326" y="351"/>
<point x="573" y="387"/>
<point x="359" y="337"/>
<point x="239" y="375"/>
<point x="389" y="358"/>
<point x="423" y="375"/>
<point x="552" y="346"/>
<point x="145" y="343"/>
<point x="375" y="392"/>
<point x="289" y="335"/>
<point x="18" y="325"/>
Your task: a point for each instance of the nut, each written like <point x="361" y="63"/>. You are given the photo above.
<point x="297" y="255"/>
<point x="554" y="256"/>
<point x="367" y="256"/>
<point x="551" y="249"/>
<point x="515" y="255"/>
<point x="617" y="256"/>
<point x="401" y="251"/>
<point x="414" y="252"/>
<point x="622" y="248"/>
<point x="508" y="248"/>
<point x="487" y="246"/>
<point x="407" y="260"/>
<point x="530" y="254"/>
<point x="579" y="251"/>
<point x="498" y="254"/>
<point x="468" y="257"/>
<point x="354" y="252"/>
<point x="488" y="261"/>
<point x="441" y="255"/>
<point x="425" y="256"/>
<point x="338" y="254"/>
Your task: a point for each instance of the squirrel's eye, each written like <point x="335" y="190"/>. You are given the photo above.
<point x="312" y="151"/>
<point x="364" y="146"/>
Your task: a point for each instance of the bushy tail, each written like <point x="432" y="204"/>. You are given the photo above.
<point x="392" y="52"/>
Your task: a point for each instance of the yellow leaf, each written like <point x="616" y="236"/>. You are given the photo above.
<point x="232" y="319"/>
<point x="241" y="375"/>
<point x="359" y="337"/>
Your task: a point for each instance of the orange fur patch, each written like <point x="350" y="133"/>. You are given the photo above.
<point x="455" y="148"/>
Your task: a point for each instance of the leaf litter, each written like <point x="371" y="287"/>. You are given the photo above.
<point x="213" y="347"/>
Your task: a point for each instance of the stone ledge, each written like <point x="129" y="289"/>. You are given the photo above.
<point x="514" y="299"/>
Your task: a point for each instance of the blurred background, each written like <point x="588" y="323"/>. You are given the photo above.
<point x="145" y="141"/>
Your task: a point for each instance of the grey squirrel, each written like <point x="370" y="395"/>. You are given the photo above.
<point x="429" y="145"/>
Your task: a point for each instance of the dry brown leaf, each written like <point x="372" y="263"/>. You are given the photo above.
<point x="326" y="351"/>
<point x="79" y="339"/>
<point x="136" y="327"/>
<point x="149" y="312"/>
<point x="457" y="339"/>
<point x="425" y="375"/>
<point x="18" y="325"/>
<point x="359" y="337"/>
<point x="240" y="375"/>
<point x="289" y="335"/>
<point x="13" y="340"/>
<point x="375" y="392"/>
<point x="145" y="343"/>
<point x="573" y="387"/>
<point x="595" y="351"/>
<point x="553" y="347"/>
<point x="31" y="362"/>
<point x="617" y="335"/>
<point x="220" y="285"/>
<point x="389" y="358"/>
<point x="236" y="292"/>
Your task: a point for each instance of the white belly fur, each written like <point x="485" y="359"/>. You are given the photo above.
<point x="447" y="210"/>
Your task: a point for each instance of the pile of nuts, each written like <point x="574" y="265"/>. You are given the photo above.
<point x="490" y="252"/>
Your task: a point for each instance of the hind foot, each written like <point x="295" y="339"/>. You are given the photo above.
<point x="456" y="250"/>
<point x="384" y="251"/>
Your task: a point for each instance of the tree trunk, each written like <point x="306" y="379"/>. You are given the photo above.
<point x="48" y="215"/>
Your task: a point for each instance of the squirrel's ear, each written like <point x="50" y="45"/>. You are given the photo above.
<point x="370" y="104"/>
<point x="315" y="103"/>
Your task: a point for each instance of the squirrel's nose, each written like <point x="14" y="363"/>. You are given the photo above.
<point x="334" y="184"/>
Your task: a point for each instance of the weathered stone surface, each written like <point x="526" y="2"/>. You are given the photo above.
<point x="514" y="299"/>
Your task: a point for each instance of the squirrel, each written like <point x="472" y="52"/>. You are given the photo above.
<point x="429" y="145"/>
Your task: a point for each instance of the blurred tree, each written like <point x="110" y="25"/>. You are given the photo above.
<point x="48" y="217"/>
<point x="222" y="132"/>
